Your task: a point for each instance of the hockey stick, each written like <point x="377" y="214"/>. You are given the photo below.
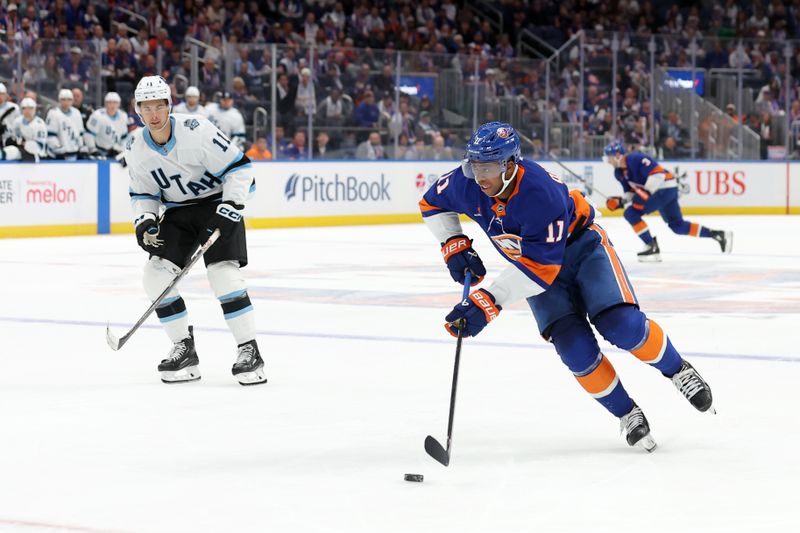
<point x="576" y="176"/>
<point x="432" y="446"/>
<point x="117" y="343"/>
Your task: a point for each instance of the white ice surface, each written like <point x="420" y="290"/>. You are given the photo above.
<point x="350" y="324"/>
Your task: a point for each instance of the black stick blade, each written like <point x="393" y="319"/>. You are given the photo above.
<point x="436" y="450"/>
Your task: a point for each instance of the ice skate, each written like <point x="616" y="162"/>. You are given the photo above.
<point x="724" y="238"/>
<point x="693" y="387"/>
<point x="249" y="367"/>
<point x="182" y="363"/>
<point x="636" y="429"/>
<point x="651" y="253"/>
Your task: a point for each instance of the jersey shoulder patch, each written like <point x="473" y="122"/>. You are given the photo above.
<point x="191" y="123"/>
<point x="129" y="143"/>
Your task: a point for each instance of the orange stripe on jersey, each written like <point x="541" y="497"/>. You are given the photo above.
<point x="619" y="273"/>
<point x="659" y="168"/>
<point x="652" y="349"/>
<point x="600" y="381"/>
<point x="425" y="207"/>
<point x="694" y="229"/>
<point x="582" y="209"/>
<point x="546" y="273"/>
<point x="638" y="206"/>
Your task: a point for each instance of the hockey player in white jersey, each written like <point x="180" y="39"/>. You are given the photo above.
<point x="107" y="128"/>
<point x="65" y="129"/>
<point x="228" y="119"/>
<point x="183" y="166"/>
<point x="9" y="111"/>
<point x="29" y="132"/>
<point x="192" y="104"/>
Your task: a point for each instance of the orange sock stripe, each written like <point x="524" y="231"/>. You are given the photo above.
<point x="600" y="381"/>
<point x="619" y="273"/>
<point x="640" y="227"/>
<point x="694" y="229"/>
<point x="652" y="349"/>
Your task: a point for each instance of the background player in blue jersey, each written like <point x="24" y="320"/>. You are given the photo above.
<point x="649" y="187"/>
<point x="560" y="261"/>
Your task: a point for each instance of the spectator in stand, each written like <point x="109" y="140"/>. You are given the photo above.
<point x="366" y="113"/>
<point x="426" y="129"/>
<point x="125" y="64"/>
<point x="306" y="101"/>
<point x="297" y="149"/>
<point x="75" y="68"/>
<point x="287" y="94"/>
<point x="259" y="151"/>
<point x="333" y="110"/>
<point x="403" y="122"/>
<point x="210" y="79"/>
<point x="416" y="152"/>
<point x="384" y="82"/>
<point x="439" y="152"/>
<point x="371" y="149"/>
<point x="322" y="150"/>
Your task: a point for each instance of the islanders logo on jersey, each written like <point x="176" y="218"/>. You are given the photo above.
<point x="509" y="244"/>
<point x="503" y="133"/>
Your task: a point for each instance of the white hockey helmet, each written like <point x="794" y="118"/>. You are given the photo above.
<point x="112" y="97"/>
<point x="192" y="91"/>
<point x="27" y="102"/>
<point x="3" y="89"/>
<point x="152" y="88"/>
<point x="65" y="94"/>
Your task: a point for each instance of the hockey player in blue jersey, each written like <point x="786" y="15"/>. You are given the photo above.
<point x="186" y="180"/>
<point x="561" y="261"/>
<point x="648" y="188"/>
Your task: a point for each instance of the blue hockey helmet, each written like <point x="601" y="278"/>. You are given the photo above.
<point x="489" y="150"/>
<point x="493" y="141"/>
<point x="614" y="148"/>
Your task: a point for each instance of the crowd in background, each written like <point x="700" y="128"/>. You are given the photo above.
<point x="347" y="85"/>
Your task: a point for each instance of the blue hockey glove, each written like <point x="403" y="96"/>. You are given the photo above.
<point x="227" y="217"/>
<point x="472" y="314"/>
<point x="460" y="257"/>
<point x="147" y="233"/>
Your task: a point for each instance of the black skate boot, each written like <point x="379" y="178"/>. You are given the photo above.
<point x="249" y="367"/>
<point x="651" y="253"/>
<point x="636" y="429"/>
<point x="182" y="363"/>
<point x="693" y="387"/>
<point x="724" y="238"/>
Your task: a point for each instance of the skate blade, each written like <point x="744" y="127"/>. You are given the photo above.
<point x="649" y="258"/>
<point x="256" y="377"/>
<point x="648" y="443"/>
<point x="184" y="375"/>
<point x="728" y="242"/>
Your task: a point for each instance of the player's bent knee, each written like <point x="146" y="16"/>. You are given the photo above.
<point x="632" y="215"/>
<point x="226" y="280"/>
<point x="158" y="273"/>
<point x="575" y="343"/>
<point x="681" y="227"/>
<point x="623" y="326"/>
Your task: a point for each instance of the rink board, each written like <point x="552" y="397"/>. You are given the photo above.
<point x="80" y="198"/>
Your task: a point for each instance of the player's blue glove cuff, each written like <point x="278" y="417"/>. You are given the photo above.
<point x="472" y="314"/>
<point x="459" y="255"/>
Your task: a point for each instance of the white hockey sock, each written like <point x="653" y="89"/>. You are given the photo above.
<point x="229" y="287"/>
<point x="158" y="273"/>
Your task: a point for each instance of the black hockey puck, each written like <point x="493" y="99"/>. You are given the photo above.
<point x="413" y="477"/>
